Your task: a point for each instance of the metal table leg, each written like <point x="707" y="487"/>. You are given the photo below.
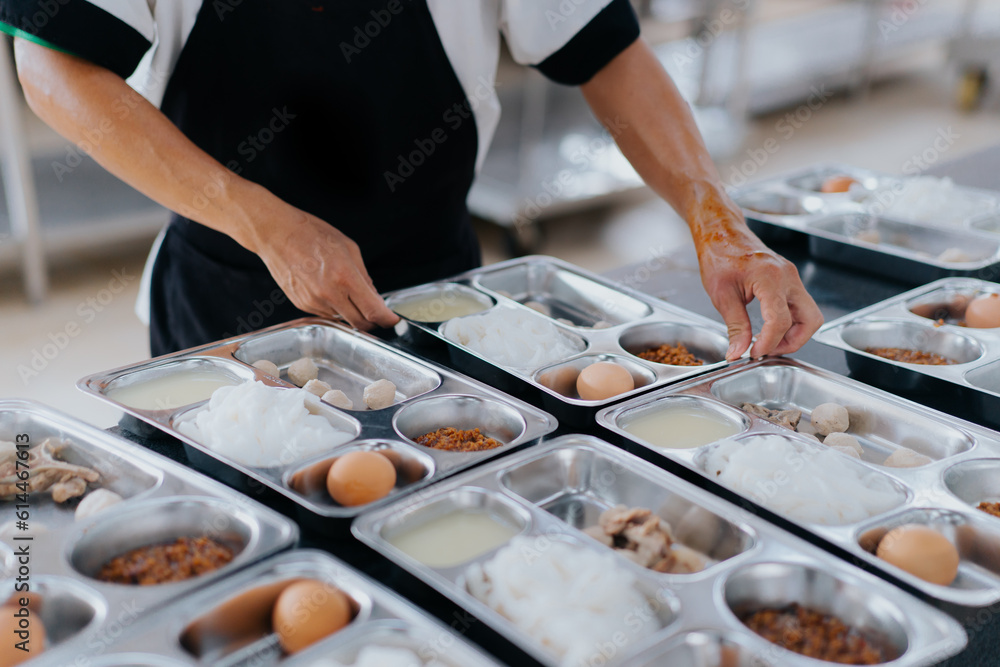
<point x="19" y="184"/>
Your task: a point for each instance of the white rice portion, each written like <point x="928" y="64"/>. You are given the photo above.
<point x="574" y="601"/>
<point x="514" y="338"/>
<point x="933" y="201"/>
<point x="264" y="426"/>
<point x="799" y="480"/>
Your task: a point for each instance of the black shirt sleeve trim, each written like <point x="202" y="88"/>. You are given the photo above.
<point x="79" y="28"/>
<point x="613" y="29"/>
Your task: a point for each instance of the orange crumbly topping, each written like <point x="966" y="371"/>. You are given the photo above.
<point x="452" y="439"/>
<point x="989" y="508"/>
<point x="908" y="356"/>
<point x="815" y="635"/>
<point x="674" y="355"/>
<point x="185" y="558"/>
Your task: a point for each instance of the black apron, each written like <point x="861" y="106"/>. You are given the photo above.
<point x="344" y="109"/>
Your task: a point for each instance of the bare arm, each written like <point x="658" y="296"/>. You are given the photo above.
<point x="319" y="268"/>
<point x="654" y="128"/>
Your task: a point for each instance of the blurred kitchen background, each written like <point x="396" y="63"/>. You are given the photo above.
<point x="871" y="83"/>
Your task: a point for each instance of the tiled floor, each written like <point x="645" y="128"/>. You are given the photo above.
<point x="88" y="323"/>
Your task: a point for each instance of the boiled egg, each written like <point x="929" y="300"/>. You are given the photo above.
<point x="360" y="477"/>
<point x="983" y="312"/>
<point x="840" y="183"/>
<point x="603" y="380"/>
<point x="921" y="551"/>
<point x="10" y="626"/>
<point x="307" y="611"/>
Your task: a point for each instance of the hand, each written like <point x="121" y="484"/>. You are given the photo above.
<point x="737" y="267"/>
<point x="321" y="271"/>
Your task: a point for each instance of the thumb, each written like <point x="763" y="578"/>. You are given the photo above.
<point x="734" y="312"/>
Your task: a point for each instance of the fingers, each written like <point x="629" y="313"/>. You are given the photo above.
<point x="777" y="321"/>
<point x="372" y="306"/>
<point x="807" y="320"/>
<point x="732" y="306"/>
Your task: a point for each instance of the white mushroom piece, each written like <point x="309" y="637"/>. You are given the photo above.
<point x="96" y="501"/>
<point x="302" y="370"/>
<point x="317" y="387"/>
<point x="49" y="474"/>
<point x="268" y="367"/>
<point x="844" y="440"/>
<point x="904" y="457"/>
<point x="830" y="418"/>
<point x="338" y="399"/>
<point x="379" y="394"/>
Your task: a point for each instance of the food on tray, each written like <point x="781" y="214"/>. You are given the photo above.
<point x="921" y="551"/>
<point x="317" y="387"/>
<point x="908" y="356"/>
<point x="680" y="426"/>
<point x="904" y="457"/>
<point x="302" y="370"/>
<point x="601" y="324"/>
<point x="263" y="426"/>
<point x="96" y="501"/>
<point x="953" y="309"/>
<point x="845" y="443"/>
<point x="379" y="394"/>
<point x="955" y="256"/>
<point x="172" y="390"/>
<point x="868" y="236"/>
<point x="815" y="634"/>
<point x="838" y="183"/>
<point x="673" y="355"/>
<point x="439" y="307"/>
<point x="512" y="338"/>
<point x="930" y="200"/>
<point x="384" y="656"/>
<point x="10" y="629"/>
<point x="338" y="399"/>
<point x="184" y="558"/>
<point x="992" y="509"/>
<point x="49" y="472"/>
<point x="268" y="367"/>
<point x="307" y="611"/>
<point x="830" y="418"/>
<point x="570" y="599"/>
<point x="451" y="439"/>
<point x="603" y="380"/>
<point x="787" y="418"/>
<point x="641" y="536"/>
<point x="800" y="480"/>
<point x="454" y="538"/>
<point x="360" y="477"/>
<point x="539" y="307"/>
<point x="983" y="312"/>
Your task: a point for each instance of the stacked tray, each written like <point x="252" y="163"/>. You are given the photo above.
<point x="162" y="501"/>
<point x="845" y="227"/>
<point x="964" y="467"/>
<point x="627" y="321"/>
<point x="892" y="323"/>
<point x="428" y="397"/>
<point x="230" y="623"/>
<point x="548" y="494"/>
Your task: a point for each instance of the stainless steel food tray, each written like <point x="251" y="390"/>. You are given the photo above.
<point x="555" y="489"/>
<point x="427" y="397"/>
<point x="941" y="494"/>
<point x="162" y="500"/>
<point x="837" y="225"/>
<point x="890" y="323"/>
<point x="229" y="622"/>
<point x="638" y="321"/>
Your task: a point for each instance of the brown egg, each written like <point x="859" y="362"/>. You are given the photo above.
<point x="603" y="380"/>
<point x="562" y="380"/>
<point x="308" y="611"/>
<point x="360" y="477"/>
<point x="839" y="183"/>
<point x="921" y="551"/>
<point x="9" y="626"/>
<point x="983" y="312"/>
